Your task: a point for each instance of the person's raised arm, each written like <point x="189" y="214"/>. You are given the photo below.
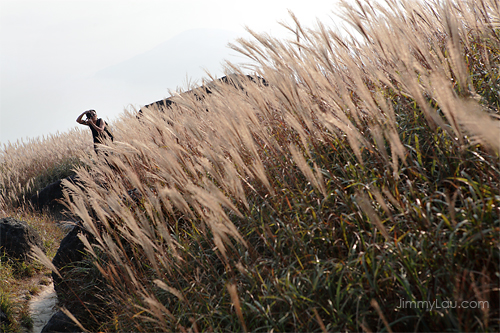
<point x="92" y="123"/>
<point x="80" y="120"/>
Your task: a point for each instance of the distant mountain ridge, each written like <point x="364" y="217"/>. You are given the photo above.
<point x="186" y="55"/>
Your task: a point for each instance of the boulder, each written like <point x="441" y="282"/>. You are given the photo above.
<point x="51" y="195"/>
<point x="70" y="250"/>
<point x="4" y="319"/>
<point x="76" y="289"/>
<point x="17" y="238"/>
<point x="59" y="322"/>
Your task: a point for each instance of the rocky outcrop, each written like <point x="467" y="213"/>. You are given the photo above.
<point x="4" y="319"/>
<point x="59" y="322"/>
<point x="79" y="289"/>
<point x="208" y="88"/>
<point x="17" y="238"/>
<point x="70" y="251"/>
<point x="50" y="197"/>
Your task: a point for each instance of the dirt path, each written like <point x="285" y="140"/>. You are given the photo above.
<point x="42" y="307"/>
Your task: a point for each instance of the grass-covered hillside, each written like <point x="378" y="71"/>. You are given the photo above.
<point x="357" y="190"/>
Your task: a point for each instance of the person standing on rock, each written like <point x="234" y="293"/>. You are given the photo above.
<point x="100" y="132"/>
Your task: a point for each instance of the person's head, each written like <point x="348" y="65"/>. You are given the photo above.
<point x="91" y="114"/>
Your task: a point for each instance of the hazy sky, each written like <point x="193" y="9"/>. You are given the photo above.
<point x="51" y="51"/>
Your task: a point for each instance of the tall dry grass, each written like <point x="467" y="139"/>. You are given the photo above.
<point x="28" y="166"/>
<point x="365" y="174"/>
<point x="25" y="168"/>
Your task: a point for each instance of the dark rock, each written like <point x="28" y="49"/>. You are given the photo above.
<point x="4" y="319"/>
<point x="17" y="238"/>
<point x="70" y="250"/>
<point x="164" y="103"/>
<point x="201" y="92"/>
<point x="59" y="322"/>
<point x="79" y="288"/>
<point x="51" y="195"/>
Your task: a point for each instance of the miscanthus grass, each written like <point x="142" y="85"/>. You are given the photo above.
<point x="27" y="166"/>
<point x="362" y="175"/>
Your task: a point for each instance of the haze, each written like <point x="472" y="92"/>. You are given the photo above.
<point x="59" y="58"/>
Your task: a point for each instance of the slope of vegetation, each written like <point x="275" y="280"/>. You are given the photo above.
<point x="21" y="280"/>
<point x="361" y="183"/>
<point x="27" y="167"/>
